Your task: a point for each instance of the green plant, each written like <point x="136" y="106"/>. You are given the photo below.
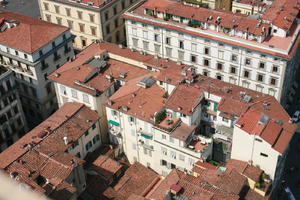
<point x="160" y="117"/>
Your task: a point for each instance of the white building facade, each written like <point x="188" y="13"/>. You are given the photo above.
<point x="32" y="66"/>
<point x="233" y="56"/>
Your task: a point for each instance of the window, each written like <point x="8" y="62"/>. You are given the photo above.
<point x="263" y="154"/>
<point x="86" y="133"/>
<point x="219" y="77"/>
<point x="206" y="62"/>
<point x="220" y="54"/>
<point x="272" y="92"/>
<point x="85" y="98"/>
<point x="88" y="145"/>
<point x="114" y="112"/>
<point x="123" y="5"/>
<point x="219" y="66"/>
<point x="145" y="34"/>
<point x="234" y="58"/>
<point x="96" y="138"/>
<point x="70" y="24"/>
<point x="224" y="119"/>
<point x="260" y="77"/>
<point x="108" y="29"/>
<point x="115" y="10"/>
<point x="68" y="12"/>
<point x="173" y="154"/>
<point x="191" y="162"/>
<point x="232" y="70"/>
<point x="48" y="18"/>
<point x="206" y="51"/>
<point x="56" y="8"/>
<point x="181" y="55"/>
<point x="246" y="74"/>
<point x="156" y="38"/>
<point x="146" y="45"/>
<point x="132" y="132"/>
<point x="93" y="30"/>
<point x="168" y="52"/>
<point x="193" y="58"/>
<point x="131" y="119"/>
<point x="46" y="6"/>
<point x="181" y="44"/>
<point x="247" y="61"/>
<point x="81" y="28"/>
<point x="116" y="22"/>
<point x="163" y="162"/>
<point x="63" y="90"/>
<point x="58" y="19"/>
<point x="79" y="14"/>
<point x="232" y="80"/>
<point x="245" y="84"/>
<point x="94" y="126"/>
<point x="92" y="18"/>
<point x="275" y="69"/>
<point x="261" y="65"/>
<point x="106" y="16"/>
<point x="74" y="94"/>
<point x="157" y="48"/>
<point x="194" y="47"/>
<point x="134" y="31"/>
<point x="135" y="42"/>
<point x="164" y="151"/>
<point x="164" y="137"/>
<point x="171" y="139"/>
<point x="168" y="40"/>
<point x="273" y="81"/>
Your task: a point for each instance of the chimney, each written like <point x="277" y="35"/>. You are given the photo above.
<point x="65" y="140"/>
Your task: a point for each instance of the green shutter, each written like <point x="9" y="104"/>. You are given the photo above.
<point x="113" y="123"/>
<point x="215" y="107"/>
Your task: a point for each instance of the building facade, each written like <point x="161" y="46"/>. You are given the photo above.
<point x="33" y="49"/>
<point x="12" y="120"/>
<point x="245" y="51"/>
<point x="88" y="20"/>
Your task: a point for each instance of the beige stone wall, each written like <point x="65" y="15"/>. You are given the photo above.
<point x="88" y="24"/>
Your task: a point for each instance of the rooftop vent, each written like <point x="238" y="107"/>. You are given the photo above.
<point x="264" y="119"/>
<point x="90" y="3"/>
<point x="7" y="24"/>
<point x="146" y="82"/>
<point x="122" y="75"/>
<point x="169" y="121"/>
<point x="183" y="72"/>
<point x="109" y="77"/>
<point x="247" y="98"/>
<point x="125" y="108"/>
<point x="65" y="140"/>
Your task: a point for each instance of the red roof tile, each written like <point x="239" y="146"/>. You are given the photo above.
<point x="244" y="168"/>
<point x="30" y="34"/>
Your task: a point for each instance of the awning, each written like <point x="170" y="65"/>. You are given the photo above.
<point x="113" y="123"/>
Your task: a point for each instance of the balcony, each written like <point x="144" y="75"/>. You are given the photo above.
<point x="147" y="146"/>
<point x="145" y="135"/>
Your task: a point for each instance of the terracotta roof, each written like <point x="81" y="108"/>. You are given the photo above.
<point x="184" y="99"/>
<point x="141" y="102"/>
<point x="107" y="166"/>
<point x="227" y="19"/>
<point x="282" y="13"/>
<point x="244" y="168"/>
<point x="117" y="64"/>
<point x="183" y="131"/>
<point x="41" y="152"/>
<point x="30" y="34"/>
<point x="196" y="188"/>
<point x="137" y="180"/>
<point x="204" y="165"/>
<point x="252" y="195"/>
